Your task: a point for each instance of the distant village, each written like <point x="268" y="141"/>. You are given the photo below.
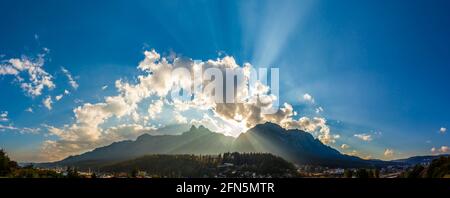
<point x="227" y="170"/>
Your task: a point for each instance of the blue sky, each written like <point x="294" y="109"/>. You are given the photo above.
<point x="378" y="68"/>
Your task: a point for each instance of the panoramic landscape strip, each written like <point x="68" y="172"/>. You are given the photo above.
<point x="215" y="97"/>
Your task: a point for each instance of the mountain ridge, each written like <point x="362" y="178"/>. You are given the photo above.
<point x="294" y="145"/>
<point x="420" y="159"/>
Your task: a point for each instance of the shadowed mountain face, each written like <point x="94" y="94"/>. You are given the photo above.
<point x="195" y="141"/>
<point x="294" y="145"/>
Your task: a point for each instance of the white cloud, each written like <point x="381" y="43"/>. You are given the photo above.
<point x="4" y="116"/>
<point x="8" y="70"/>
<point x="442" y="130"/>
<point x="29" y="73"/>
<point x="345" y="146"/>
<point x="367" y="157"/>
<point x="313" y="125"/>
<point x="71" y="143"/>
<point x="319" y="110"/>
<point x="77" y="101"/>
<point x="58" y="97"/>
<point x="216" y="125"/>
<point x="126" y="132"/>
<point x="72" y="81"/>
<point x="353" y="153"/>
<point x="180" y="118"/>
<point x="442" y="149"/>
<point x="86" y="133"/>
<point x="21" y="130"/>
<point x="48" y="102"/>
<point x="155" y="108"/>
<point x="388" y="152"/>
<point x="307" y="97"/>
<point x="364" y="137"/>
<point x="7" y="127"/>
<point x="29" y="109"/>
<point x="89" y="131"/>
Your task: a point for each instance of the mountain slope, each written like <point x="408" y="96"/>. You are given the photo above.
<point x="244" y="165"/>
<point x="195" y="141"/>
<point x="294" y="145"/>
<point x="420" y="159"/>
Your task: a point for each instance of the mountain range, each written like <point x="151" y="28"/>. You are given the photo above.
<point x="294" y="145"/>
<point x="420" y="159"/>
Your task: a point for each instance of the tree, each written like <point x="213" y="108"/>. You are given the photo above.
<point x="375" y="173"/>
<point x="362" y="173"/>
<point x="6" y="165"/>
<point x="134" y="172"/>
<point x="415" y="172"/>
<point x="438" y="168"/>
<point x="10" y="168"/>
<point x="72" y="172"/>
<point x="348" y="173"/>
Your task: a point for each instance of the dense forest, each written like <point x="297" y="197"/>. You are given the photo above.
<point x="7" y="166"/>
<point x="362" y="173"/>
<point x="224" y="165"/>
<point x="439" y="168"/>
<point x="10" y="168"/>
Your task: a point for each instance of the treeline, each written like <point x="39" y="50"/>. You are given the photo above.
<point x="263" y="162"/>
<point x="7" y="166"/>
<point x="10" y="168"/>
<point x="362" y="173"/>
<point x="227" y="164"/>
<point x="439" y="168"/>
